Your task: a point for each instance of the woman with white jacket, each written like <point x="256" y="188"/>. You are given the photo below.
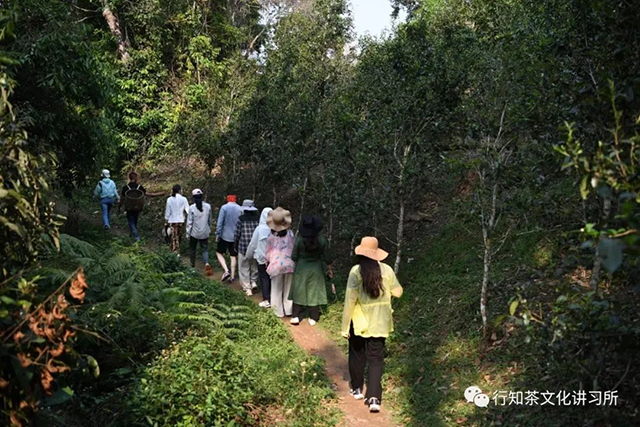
<point x="199" y="229"/>
<point x="256" y="250"/>
<point x="174" y="214"/>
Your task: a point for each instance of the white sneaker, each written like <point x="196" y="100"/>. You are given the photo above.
<point x="294" y="321"/>
<point x="312" y="322"/>
<point x="357" y="394"/>
<point x="248" y="292"/>
<point x="254" y="286"/>
<point x="265" y="304"/>
<point x="374" y="405"/>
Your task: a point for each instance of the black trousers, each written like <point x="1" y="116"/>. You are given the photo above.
<point x="366" y="351"/>
<point x="314" y="312"/>
<point x="265" y="282"/>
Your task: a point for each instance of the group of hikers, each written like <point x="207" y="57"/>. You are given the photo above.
<point x="292" y="272"/>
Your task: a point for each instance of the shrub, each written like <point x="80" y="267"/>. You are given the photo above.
<point x="200" y="381"/>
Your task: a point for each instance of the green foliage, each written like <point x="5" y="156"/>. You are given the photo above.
<point x="35" y="326"/>
<point x="65" y="87"/>
<point x="182" y="349"/>
<point x="201" y="381"/>
<point x="611" y="171"/>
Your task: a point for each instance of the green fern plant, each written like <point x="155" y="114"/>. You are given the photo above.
<point x="126" y="281"/>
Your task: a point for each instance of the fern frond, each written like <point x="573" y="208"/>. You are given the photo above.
<point x="191" y="305"/>
<point x="56" y="275"/>
<point x="76" y="248"/>
<point x="118" y="263"/>
<point x="197" y="318"/>
<point x="235" y="323"/>
<point x="179" y="292"/>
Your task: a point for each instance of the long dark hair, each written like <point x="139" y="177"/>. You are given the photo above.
<point x="176" y="190"/>
<point x="371" y="276"/>
<point x="311" y="244"/>
<point x="198" y="199"/>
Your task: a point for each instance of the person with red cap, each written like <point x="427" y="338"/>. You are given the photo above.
<point x="225" y="236"/>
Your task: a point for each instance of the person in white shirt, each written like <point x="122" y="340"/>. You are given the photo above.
<point x="199" y="229"/>
<point x="174" y="214"/>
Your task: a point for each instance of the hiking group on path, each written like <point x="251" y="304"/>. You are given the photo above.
<point x="293" y="271"/>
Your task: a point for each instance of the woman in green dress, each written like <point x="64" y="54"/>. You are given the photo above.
<point x="311" y="254"/>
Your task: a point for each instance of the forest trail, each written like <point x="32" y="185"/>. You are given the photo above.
<point x="312" y="339"/>
<point x="315" y="342"/>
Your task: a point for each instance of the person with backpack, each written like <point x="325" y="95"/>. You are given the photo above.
<point x="107" y="192"/>
<point x="247" y="267"/>
<point x="311" y="254"/>
<point x="199" y="229"/>
<point x="174" y="214"/>
<point x="225" y="235"/>
<point x="367" y="318"/>
<point x="132" y="200"/>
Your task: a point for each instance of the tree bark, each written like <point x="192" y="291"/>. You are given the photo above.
<point x="597" y="262"/>
<point x="114" y="26"/>
<point x="488" y="225"/>
<point x="275" y="197"/>
<point x="330" y="226"/>
<point x="399" y="239"/>
<point x="304" y="192"/>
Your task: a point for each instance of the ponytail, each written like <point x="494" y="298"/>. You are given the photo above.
<point x="371" y="276"/>
<point x="198" y="199"/>
<point x="176" y="189"/>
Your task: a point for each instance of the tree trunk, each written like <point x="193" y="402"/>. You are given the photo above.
<point x="304" y="192"/>
<point x="114" y="27"/>
<point x="485" y="279"/>
<point x="487" y="231"/>
<point x="275" y="197"/>
<point x="330" y="226"/>
<point x="597" y="262"/>
<point x="399" y="238"/>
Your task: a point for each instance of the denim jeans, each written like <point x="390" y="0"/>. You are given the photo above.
<point x="132" y="219"/>
<point x="193" y="245"/>
<point x="106" y="203"/>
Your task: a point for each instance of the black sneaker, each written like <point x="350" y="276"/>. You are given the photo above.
<point x="374" y="404"/>
<point x="225" y="276"/>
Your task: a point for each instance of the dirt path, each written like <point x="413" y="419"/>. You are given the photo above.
<point x="315" y="342"/>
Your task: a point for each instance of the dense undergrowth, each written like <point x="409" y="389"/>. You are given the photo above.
<point x="173" y="348"/>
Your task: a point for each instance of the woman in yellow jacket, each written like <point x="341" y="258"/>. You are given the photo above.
<point x="367" y="319"/>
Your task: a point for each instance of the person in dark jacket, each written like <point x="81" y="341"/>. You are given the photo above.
<point x="247" y="266"/>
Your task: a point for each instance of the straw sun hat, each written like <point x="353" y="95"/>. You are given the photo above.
<point x="279" y="219"/>
<point x="369" y="247"/>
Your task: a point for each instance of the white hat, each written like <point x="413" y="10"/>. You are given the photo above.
<point x="248" y="205"/>
<point x="106" y="173"/>
<point x="196" y="192"/>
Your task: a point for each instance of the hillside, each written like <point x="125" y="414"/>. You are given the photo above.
<point x="492" y="147"/>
